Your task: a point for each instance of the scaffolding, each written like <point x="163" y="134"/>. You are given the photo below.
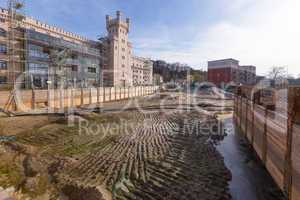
<point x="16" y="47"/>
<point x="16" y="40"/>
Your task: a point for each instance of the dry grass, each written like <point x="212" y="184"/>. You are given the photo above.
<point x="1" y="128"/>
<point x="10" y="174"/>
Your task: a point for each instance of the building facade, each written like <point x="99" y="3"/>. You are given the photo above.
<point x="157" y="79"/>
<point x="142" y="70"/>
<point x="228" y="71"/>
<point x="47" y="54"/>
<point x="122" y="68"/>
<point x="171" y="71"/>
<point x="9" y="70"/>
<point x="119" y="52"/>
<point x="222" y="72"/>
<point x="50" y="55"/>
<point x="179" y="67"/>
<point x="247" y="75"/>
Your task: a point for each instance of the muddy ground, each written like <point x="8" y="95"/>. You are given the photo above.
<point x="154" y="153"/>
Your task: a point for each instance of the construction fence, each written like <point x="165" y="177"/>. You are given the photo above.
<point x="60" y="99"/>
<point x="275" y="136"/>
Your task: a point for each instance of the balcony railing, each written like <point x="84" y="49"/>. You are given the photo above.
<point x="58" y="42"/>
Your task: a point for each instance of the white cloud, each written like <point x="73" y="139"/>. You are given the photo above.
<point x="268" y="35"/>
<point x="264" y="33"/>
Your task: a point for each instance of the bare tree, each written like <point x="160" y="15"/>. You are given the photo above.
<point x="276" y="73"/>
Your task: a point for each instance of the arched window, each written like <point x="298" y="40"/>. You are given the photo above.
<point x="2" y="32"/>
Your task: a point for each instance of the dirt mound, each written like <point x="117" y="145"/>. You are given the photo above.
<point x="80" y="193"/>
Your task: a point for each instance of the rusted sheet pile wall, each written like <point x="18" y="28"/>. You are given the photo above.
<point x="275" y="136"/>
<point x="27" y="100"/>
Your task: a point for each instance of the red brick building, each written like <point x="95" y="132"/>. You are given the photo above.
<point x="222" y="72"/>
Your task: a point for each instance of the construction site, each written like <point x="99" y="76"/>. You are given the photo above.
<point x="149" y="161"/>
<point x="159" y="146"/>
<point x="65" y="137"/>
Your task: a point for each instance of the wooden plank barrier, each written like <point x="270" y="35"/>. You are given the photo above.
<point x="60" y="99"/>
<point x="275" y="137"/>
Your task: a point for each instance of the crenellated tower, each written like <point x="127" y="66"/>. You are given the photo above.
<point x="120" y="51"/>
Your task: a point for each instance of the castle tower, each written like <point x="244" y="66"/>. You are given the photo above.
<point x="120" y="51"/>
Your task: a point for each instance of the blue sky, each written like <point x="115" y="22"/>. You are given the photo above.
<point x="263" y="33"/>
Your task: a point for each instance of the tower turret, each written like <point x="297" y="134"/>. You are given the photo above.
<point x="128" y="23"/>
<point x="120" y="50"/>
<point x="119" y="15"/>
<point x="108" y="20"/>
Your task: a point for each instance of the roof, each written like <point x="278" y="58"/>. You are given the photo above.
<point x="222" y="60"/>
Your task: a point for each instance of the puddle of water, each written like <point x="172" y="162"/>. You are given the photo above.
<point x="250" y="180"/>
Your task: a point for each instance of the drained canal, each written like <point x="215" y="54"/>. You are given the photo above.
<point x="250" y="180"/>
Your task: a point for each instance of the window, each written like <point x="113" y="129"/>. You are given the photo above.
<point x="74" y="68"/>
<point x="3" y="64"/>
<point x="74" y="56"/>
<point x="91" y="70"/>
<point x="2" y="32"/>
<point x="3" y="79"/>
<point x="38" y="52"/>
<point x="38" y="68"/>
<point x="123" y="57"/>
<point x="123" y="49"/>
<point x="123" y="65"/>
<point x="3" y="48"/>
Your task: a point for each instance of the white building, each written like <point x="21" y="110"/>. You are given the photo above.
<point x="142" y="69"/>
<point x="122" y="68"/>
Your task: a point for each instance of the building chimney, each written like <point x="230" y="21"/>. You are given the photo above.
<point x="119" y="15"/>
<point x="128" y="21"/>
<point x="108" y="18"/>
